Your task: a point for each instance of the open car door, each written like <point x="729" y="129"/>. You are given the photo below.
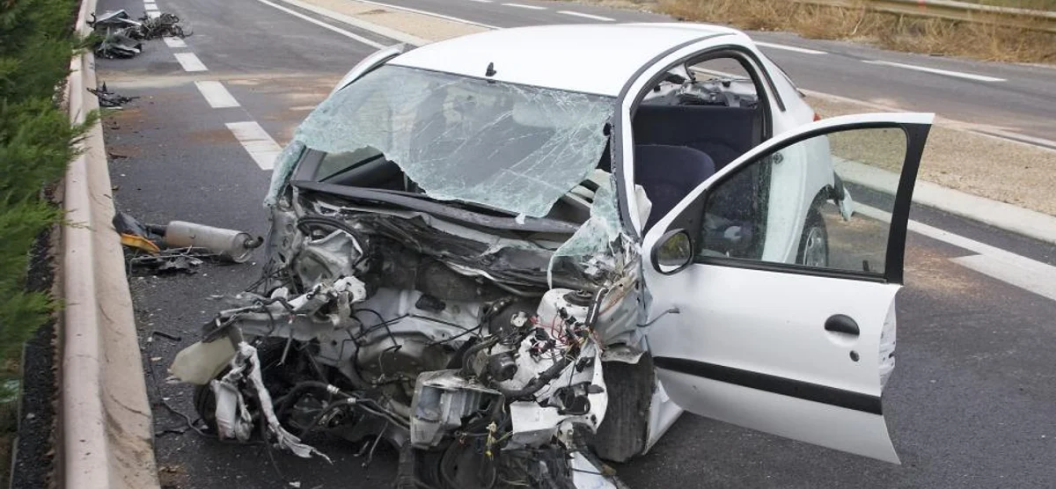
<point x="773" y="298"/>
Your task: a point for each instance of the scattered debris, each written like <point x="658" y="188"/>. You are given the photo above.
<point x="165" y="25"/>
<point x="108" y="99"/>
<point x="166" y="264"/>
<point x="180" y="245"/>
<point x="121" y="34"/>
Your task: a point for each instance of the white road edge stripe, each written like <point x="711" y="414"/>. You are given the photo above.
<point x="257" y="142"/>
<point x="936" y="71"/>
<point x="174" y="42"/>
<point x="521" y="5"/>
<point x="190" y="62"/>
<point x="1020" y="271"/>
<point x="586" y="16"/>
<point x="788" y="48"/>
<point x="367" y="26"/>
<point x="216" y="94"/>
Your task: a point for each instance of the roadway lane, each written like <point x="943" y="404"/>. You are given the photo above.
<point x="1023" y="103"/>
<point x="970" y="405"/>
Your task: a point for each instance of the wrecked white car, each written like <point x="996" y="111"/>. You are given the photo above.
<point x="517" y="253"/>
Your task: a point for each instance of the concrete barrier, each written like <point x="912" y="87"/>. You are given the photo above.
<point x="106" y="438"/>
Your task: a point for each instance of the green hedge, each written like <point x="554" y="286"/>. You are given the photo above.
<point x="36" y="143"/>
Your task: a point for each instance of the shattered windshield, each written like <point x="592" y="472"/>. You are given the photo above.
<point x="512" y="147"/>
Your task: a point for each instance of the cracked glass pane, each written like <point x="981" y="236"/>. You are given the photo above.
<point x="599" y="235"/>
<point x="283" y="166"/>
<point x="511" y="147"/>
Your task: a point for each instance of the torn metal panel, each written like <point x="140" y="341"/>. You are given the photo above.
<point x="510" y="147"/>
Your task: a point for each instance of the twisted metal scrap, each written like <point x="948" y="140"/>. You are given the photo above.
<point x="165" y="25"/>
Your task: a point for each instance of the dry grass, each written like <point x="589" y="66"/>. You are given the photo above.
<point x="984" y="40"/>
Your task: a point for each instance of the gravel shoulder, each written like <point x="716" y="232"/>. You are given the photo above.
<point x="987" y="166"/>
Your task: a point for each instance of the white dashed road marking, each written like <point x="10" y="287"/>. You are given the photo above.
<point x="153" y="14"/>
<point x="257" y="142"/>
<point x="955" y="74"/>
<point x="215" y="93"/>
<point x="788" y="48"/>
<point x="521" y="5"/>
<point x="586" y="16"/>
<point x="190" y="62"/>
<point x="151" y="7"/>
<point x="174" y="42"/>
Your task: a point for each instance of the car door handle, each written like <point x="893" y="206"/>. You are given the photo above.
<point x="840" y="323"/>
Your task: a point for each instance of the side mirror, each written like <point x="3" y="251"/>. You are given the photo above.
<point x="673" y="252"/>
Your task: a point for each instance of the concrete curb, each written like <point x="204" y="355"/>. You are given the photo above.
<point x="105" y="419"/>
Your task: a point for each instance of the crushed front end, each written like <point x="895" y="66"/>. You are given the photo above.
<point x="460" y="324"/>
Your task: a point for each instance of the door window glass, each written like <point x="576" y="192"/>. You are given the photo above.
<point x="823" y="202"/>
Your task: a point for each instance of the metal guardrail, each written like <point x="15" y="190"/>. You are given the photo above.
<point x="1039" y="20"/>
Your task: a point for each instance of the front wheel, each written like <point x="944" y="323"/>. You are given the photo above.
<point x="814" y="243"/>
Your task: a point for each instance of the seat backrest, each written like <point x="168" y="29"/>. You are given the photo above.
<point x="724" y="133"/>
<point x="668" y="174"/>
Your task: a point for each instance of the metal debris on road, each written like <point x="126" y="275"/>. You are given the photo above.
<point x="183" y="240"/>
<point x="108" y="99"/>
<point x="121" y="34"/>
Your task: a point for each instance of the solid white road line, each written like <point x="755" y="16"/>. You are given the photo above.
<point x="1020" y="271"/>
<point x="788" y="48"/>
<point x="174" y="42"/>
<point x="426" y="12"/>
<point x="391" y="33"/>
<point x="481" y="1"/>
<point x="215" y="93"/>
<point x="190" y="62"/>
<point x="257" y="142"/>
<point x="586" y="16"/>
<point x="956" y="74"/>
<point x="521" y="5"/>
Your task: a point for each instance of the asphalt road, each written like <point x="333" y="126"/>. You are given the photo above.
<point x="971" y="404"/>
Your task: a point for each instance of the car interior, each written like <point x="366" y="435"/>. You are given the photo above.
<point x="693" y="123"/>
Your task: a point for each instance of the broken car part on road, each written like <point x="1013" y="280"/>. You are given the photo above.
<point x="468" y="267"/>
<point x="121" y="35"/>
<point x="184" y="239"/>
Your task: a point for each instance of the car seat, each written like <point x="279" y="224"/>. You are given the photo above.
<point x="668" y="174"/>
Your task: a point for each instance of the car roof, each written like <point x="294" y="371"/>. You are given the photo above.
<point x="590" y="58"/>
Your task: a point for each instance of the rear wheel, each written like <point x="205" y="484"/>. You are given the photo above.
<point x="814" y="243"/>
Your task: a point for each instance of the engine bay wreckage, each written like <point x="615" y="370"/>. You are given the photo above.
<point x="447" y="271"/>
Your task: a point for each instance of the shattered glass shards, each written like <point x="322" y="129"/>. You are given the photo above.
<point x="599" y="236"/>
<point x="511" y="147"/>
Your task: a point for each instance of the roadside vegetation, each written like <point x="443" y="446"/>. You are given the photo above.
<point x="36" y="143"/>
<point x="985" y="40"/>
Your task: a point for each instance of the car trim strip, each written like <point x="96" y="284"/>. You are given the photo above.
<point x="799" y="389"/>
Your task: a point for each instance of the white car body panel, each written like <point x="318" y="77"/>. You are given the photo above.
<point x="769" y="324"/>
<point x="596" y="59"/>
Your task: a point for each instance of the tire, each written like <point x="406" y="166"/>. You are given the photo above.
<point x="814" y="242"/>
<point x="624" y="431"/>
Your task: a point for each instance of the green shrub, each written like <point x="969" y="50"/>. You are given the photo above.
<point x="36" y="144"/>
